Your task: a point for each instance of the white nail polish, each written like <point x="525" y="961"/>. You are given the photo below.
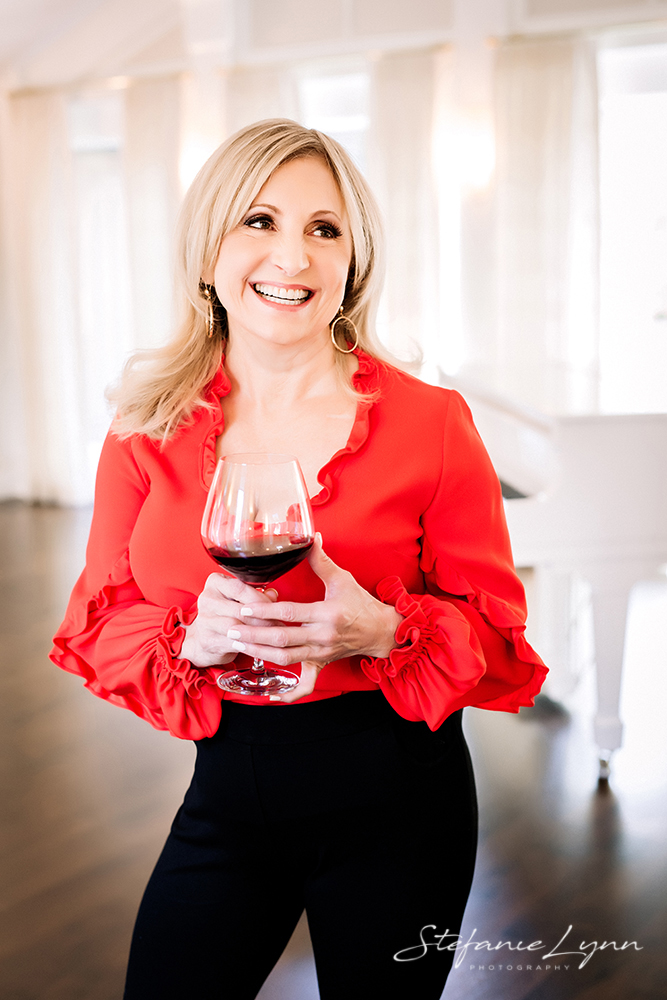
<point x="233" y="633"/>
<point x="246" y="612"/>
<point x="239" y="646"/>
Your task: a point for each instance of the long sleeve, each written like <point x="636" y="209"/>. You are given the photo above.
<point x="462" y="643"/>
<point x="125" y="647"/>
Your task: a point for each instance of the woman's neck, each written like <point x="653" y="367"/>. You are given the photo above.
<point x="284" y="373"/>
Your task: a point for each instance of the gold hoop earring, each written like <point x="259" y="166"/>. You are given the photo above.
<point x="210" y="319"/>
<point x="333" y="335"/>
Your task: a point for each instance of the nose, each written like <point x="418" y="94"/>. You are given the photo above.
<point x="290" y="254"/>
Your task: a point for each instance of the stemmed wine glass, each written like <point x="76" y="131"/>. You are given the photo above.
<point x="258" y="524"/>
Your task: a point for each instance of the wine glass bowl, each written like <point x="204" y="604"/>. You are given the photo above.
<point x="257" y="525"/>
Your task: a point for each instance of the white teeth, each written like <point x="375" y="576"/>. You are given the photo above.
<point x="278" y="294"/>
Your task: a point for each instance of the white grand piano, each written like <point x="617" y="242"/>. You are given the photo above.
<point x="586" y="500"/>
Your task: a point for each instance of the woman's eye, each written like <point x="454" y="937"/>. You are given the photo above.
<point x="327" y="229"/>
<point x="259" y="222"/>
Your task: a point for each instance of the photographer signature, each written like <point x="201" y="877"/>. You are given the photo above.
<point x="428" y="938"/>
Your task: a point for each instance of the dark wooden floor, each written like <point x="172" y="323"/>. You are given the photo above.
<point x="88" y="792"/>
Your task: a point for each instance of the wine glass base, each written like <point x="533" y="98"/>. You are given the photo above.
<point x="250" y="683"/>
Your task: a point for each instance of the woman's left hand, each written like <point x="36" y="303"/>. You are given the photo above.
<point x="348" y="622"/>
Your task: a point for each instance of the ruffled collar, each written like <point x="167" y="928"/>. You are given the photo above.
<point x="217" y="389"/>
<point x="365" y="380"/>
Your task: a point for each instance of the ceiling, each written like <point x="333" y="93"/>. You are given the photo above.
<point x="54" y="42"/>
<point x="45" y="43"/>
<point x="29" y="24"/>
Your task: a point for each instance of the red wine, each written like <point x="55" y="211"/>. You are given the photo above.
<point x="261" y="564"/>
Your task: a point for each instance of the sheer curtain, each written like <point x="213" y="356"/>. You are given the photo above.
<point x="151" y="154"/>
<point x="14" y="474"/>
<point x="49" y="460"/>
<point x="87" y="216"/>
<point x="547" y="224"/>
<point x="401" y="174"/>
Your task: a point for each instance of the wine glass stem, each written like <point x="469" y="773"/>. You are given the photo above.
<point x="257" y="664"/>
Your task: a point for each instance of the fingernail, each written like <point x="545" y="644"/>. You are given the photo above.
<point x="318" y="537"/>
<point x="274" y="697"/>
<point x="239" y="646"/>
<point x="233" y="633"/>
<point x="247" y="612"/>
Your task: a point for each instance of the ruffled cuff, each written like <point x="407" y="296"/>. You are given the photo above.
<point x="438" y="657"/>
<point x="172" y="637"/>
<point x="127" y="651"/>
<point x="168" y="646"/>
<point x="188" y="699"/>
<point x="452" y="654"/>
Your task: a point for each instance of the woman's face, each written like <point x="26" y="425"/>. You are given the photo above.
<point x="281" y="273"/>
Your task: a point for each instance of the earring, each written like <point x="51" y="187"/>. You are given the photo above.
<point x="333" y="336"/>
<point x="210" y="319"/>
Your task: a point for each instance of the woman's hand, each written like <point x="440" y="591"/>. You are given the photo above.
<point x="348" y="622"/>
<point x="219" y="606"/>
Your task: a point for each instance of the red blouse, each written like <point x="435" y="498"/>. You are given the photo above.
<point x="411" y="507"/>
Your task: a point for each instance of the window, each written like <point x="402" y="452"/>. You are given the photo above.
<point x="338" y="104"/>
<point x="633" y="210"/>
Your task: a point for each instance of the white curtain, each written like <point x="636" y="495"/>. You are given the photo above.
<point x="86" y="270"/>
<point x="401" y="174"/>
<point x="48" y="460"/>
<point x="547" y="224"/>
<point x="13" y="432"/>
<point x="152" y="141"/>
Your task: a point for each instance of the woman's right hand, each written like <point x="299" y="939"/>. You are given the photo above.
<point x="219" y="605"/>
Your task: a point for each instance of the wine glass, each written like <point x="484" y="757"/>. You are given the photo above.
<point x="258" y="524"/>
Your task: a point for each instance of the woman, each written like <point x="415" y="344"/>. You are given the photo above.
<point x="357" y="802"/>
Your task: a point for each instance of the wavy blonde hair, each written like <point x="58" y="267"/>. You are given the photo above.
<point x="160" y="388"/>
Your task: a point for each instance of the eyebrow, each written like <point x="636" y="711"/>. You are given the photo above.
<point x="273" y="208"/>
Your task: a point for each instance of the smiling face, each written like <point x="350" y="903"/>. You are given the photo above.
<point x="281" y="273"/>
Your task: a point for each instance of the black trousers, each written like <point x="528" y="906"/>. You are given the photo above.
<point x="340" y="807"/>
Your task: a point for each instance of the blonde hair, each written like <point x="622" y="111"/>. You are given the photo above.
<point x="160" y="388"/>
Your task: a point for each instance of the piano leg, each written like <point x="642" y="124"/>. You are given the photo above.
<point x="605" y="766"/>
<point x="611" y="586"/>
